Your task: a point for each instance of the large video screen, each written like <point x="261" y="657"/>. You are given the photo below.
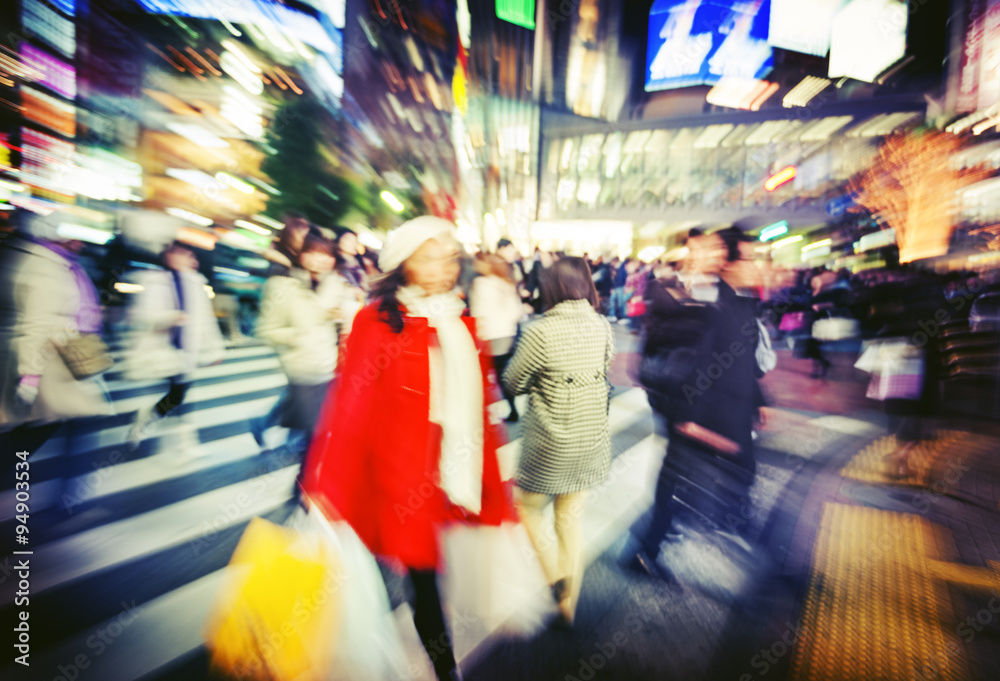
<point x="697" y="42"/>
<point x="803" y="25"/>
<point x="868" y="37"/>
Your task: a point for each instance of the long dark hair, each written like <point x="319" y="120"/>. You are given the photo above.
<point x="567" y="279"/>
<point x="385" y="290"/>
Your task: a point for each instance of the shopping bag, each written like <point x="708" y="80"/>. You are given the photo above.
<point x="836" y="328"/>
<point x="792" y="321"/>
<point x="903" y="379"/>
<point x="276" y="619"/>
<point x="367" y="643"/>
<point x="492" y="582"/>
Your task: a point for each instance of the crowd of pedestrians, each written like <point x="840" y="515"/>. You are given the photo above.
<point x="393" y="360"/>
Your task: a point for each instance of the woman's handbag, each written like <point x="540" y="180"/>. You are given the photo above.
<point x="635" y="307"/>
<point x="765" y="355"/>
<point x="792" y="321"/>
<point x="85" y="356"/>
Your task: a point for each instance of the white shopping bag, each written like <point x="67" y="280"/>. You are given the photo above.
<point x="492" y="582"/>
<point x="368" y="645"/>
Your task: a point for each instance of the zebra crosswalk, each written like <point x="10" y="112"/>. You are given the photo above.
<point x="124" y="579"/>
<point x="126" y="576"/>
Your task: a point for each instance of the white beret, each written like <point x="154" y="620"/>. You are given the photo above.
<point x="411" y="235"/>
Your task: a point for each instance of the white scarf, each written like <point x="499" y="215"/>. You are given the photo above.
<point x="456" y="395"/>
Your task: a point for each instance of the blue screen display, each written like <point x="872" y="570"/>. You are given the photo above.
<point x="65" y="6"/>
<point x="697" y="42"/>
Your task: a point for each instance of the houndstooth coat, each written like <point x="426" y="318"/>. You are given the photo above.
<point x="562" y="363"/>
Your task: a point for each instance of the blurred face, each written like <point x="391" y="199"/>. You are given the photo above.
<point x="707" y="254"/>
<point x="298" y="227"/>
<point x="181" y="260"/>
<point x="508" y="253"/>
<point x="317" y="262"/>
<point x="349" y="244"/>
<point x="434" y="267"/>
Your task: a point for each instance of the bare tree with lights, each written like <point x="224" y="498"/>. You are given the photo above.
<point x="912" y="186"/>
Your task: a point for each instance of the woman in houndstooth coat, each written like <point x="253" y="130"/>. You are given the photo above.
<point x="562" y="362"/>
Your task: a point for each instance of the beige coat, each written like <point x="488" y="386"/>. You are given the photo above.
<point x="39" y="301"/>
<point x="300" y="324"/>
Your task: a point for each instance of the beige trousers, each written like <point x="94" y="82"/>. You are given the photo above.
<point x="564" y="535"/>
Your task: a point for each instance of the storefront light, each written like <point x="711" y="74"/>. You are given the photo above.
<point x="817" y="244"/>
<point x="248" y="79"/>
<point x="781" y="243"/>
<point x="234" y="182"/>
<point x="391" y="199"/>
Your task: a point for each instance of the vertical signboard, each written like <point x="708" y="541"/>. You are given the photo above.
<point x="972" y="50"/>
<point x="989" y="75"/>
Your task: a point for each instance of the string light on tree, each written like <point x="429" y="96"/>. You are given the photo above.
<point x="912" y="187"/>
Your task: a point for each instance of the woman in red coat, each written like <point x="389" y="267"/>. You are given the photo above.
<point x="405" y="445"/>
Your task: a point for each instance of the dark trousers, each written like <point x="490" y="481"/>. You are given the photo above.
<point x="499" y="366"/>
<point x="723" y="484"/>
<point x="661" y="516"/>
<point x="65" y="466"/>
<point x="428" y="617"/>
<point x="814" y="351"/>
<point x="174" y="399"/>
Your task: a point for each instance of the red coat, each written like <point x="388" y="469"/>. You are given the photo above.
<point x="374" y="456"/>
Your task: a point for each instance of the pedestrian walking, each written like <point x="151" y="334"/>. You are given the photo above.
<point x="51" y="356"/>
<point x="406" y="446"/>
<point x="284" y="261"/>
<point x="298" y="317"/>
<point x="562" y="363"/>
<point x="175" y="332"/>
<point x="497" y="308"/>
<point x="698" y="367"/>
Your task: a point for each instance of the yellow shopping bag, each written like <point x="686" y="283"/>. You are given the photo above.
<point x="276" y="619"/>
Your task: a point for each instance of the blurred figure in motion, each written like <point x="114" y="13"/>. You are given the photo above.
<point x="175" y="332"/>
<point x="635" y="292"/>
<point x="510" y="254"/>
<point x="497" y="308"/>
<point x="350" y="265"/>
<point x="284" y="259"/>
<point x="405" y="444"/>
<point x="48" y="305"/>
<point x="227" y="308"/>
<point x="824" y="297"/>
<point x="562" y="362"/>
<point x="298" y="317"/>
<point x="619" y="296"/>
<point x="543" y="261"/>
<point x="698" y="366"/>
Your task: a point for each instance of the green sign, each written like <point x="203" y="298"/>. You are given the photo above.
<point x="520" y="12"/>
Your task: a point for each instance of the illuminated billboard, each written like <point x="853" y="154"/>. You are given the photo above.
<point x="697" y="42"/>
<point x="868" y="37"/>
<point x="53" y="73"/>
<point x="803" y="25"/>
<point x="291" y="22"/>
<point x="42" y="22"/>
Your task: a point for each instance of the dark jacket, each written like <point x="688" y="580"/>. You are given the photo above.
<point x="719" y="389"/>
